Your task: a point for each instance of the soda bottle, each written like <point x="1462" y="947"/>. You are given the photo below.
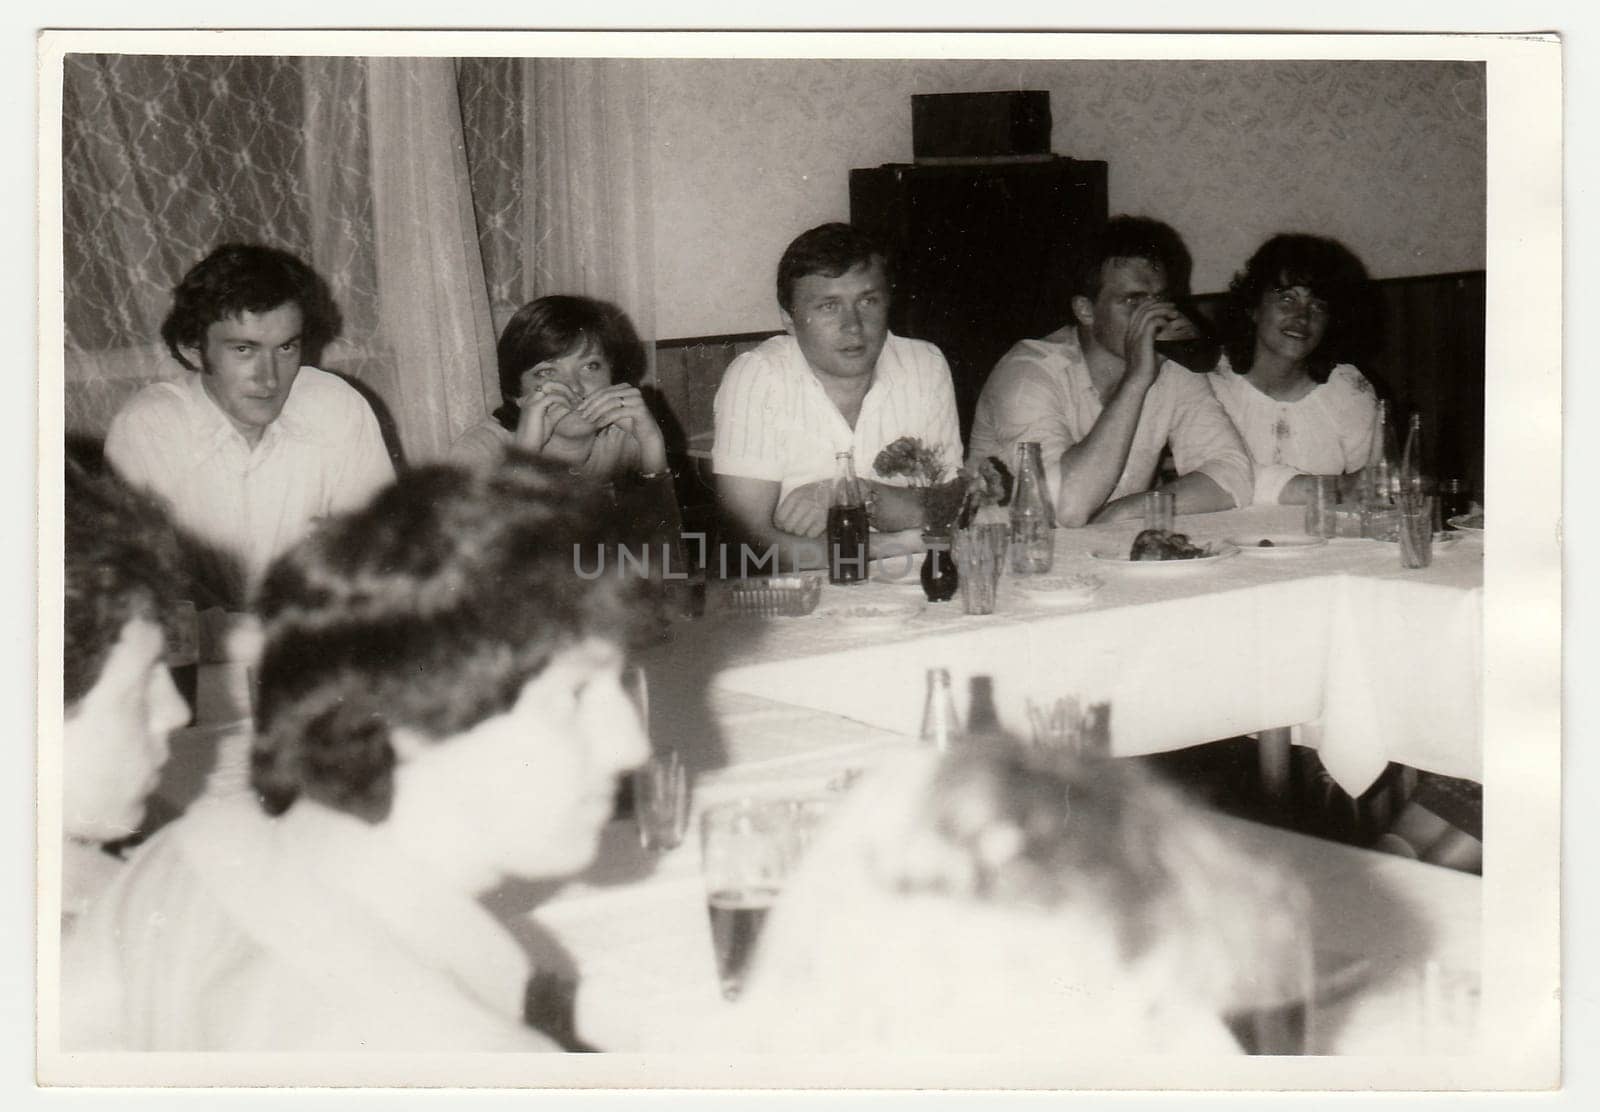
<point x="847" y="525"/>
<point x="940" y="726"/>
<point x="1033" y="519"/>
<point x="1383" y="461"/>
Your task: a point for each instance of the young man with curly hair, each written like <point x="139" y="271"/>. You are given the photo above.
<point x="253" y="445"/>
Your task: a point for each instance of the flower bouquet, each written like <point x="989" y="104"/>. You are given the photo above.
<point x="951" y="498"/>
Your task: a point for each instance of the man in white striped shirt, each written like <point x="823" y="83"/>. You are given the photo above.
<point x="836" y="381"/>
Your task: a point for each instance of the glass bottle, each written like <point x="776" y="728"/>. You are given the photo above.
<point x="1033" y="520"/>
<point x="1414" y="460"/>
<point x="940" y="727"/>
<point x="847" y="524"/>
<point x="1383" y="462"/>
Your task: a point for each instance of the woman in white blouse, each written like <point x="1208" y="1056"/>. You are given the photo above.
<point x="1300" y="409"/>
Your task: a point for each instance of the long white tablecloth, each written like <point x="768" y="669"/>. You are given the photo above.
<point x="638" y="932"/>
<point x="636" y="928"/>
<point x="1374" y="662"/>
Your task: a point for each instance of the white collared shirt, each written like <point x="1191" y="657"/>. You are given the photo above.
<point x="1041" y="391"/>
<point x="323" y="455"/>
<point x="313" y="933"/>
<point x="774" y="420"/>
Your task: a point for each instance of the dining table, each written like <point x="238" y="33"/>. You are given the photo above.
<point x="1397" y="941"/>
<point x="1368" y="661"/>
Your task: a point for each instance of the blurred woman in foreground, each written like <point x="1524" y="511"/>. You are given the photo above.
<point x="995" y="901"/>
<point x="1301" y="410"/>
<point x="439" y="708"/>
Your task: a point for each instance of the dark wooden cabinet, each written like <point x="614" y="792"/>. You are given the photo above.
<point x="980" y="252"/>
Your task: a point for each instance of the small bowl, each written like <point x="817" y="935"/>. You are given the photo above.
<point x="782" y="596"/>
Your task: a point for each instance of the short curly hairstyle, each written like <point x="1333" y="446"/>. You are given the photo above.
<point x="429" y="609"/>
<point x="121" y="562"/>
<point x="1039" y="829"/>
<point x="241" y="278"/>
<point x="1129" y="237"/>
<point x="1324" y="266"/>
<point x="552" y="326"/>
<point x="829" y="250"/>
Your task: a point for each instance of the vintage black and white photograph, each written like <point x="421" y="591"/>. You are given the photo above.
<point x="767" y="561"/>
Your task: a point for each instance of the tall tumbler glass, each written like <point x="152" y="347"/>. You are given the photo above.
<point x="1416" y="531"/>
<point x="1159" y="507"/>
<point x="1320" y="513"/>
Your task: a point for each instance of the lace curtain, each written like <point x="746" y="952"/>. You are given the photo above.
<point x="559" y="163"/>
<point x="434" y="195"/>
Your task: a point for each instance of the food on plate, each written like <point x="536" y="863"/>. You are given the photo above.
<point x="1158" y="544"/>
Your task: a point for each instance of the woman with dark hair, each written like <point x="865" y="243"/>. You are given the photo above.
<point x="569" y="371"/>
<point x="569" y="392"/>
<point x="1301" y="410"/>
<point x="439" y="708"/>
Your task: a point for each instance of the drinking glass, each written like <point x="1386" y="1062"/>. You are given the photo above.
<point x="1190" y="341"/>
<point x="1380" y="522"/>
<point x="980" y="558"/>
<point x="1320" y="519"/>
<point x="1349" y="520"/>
<point x="1274" y="1006"/>
<point x="1159" y="506"/>
<point x="661" y="801"/>
<point x="637" y="686"/>
<point x="1416" y="531"/>
<point x="748" y="849"/>
<point x="183" y="654"/>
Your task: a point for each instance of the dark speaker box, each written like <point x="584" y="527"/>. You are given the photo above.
<point x="980" y="125"/>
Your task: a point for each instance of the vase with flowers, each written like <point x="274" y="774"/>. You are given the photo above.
<point x="951" y="498"/>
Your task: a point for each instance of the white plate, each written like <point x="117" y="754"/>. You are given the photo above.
<point x="1283" y="544"/>
<point x="1118" y="557"/>
<point x="1462" y="523"/>
<point x="1058" y="590"/>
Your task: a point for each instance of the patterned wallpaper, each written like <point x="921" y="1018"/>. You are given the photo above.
<point x="1387" y="156"/>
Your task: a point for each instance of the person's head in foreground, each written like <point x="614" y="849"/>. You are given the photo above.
<point x="120" y="560"/>
<point x="833" y="296"/>
<point x="432" y="666"/>
<point x="1121" y="265"/>
<point x="246" y="317"/>
<point x="998" y="900"/>
<point x="1296" y="304"/>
